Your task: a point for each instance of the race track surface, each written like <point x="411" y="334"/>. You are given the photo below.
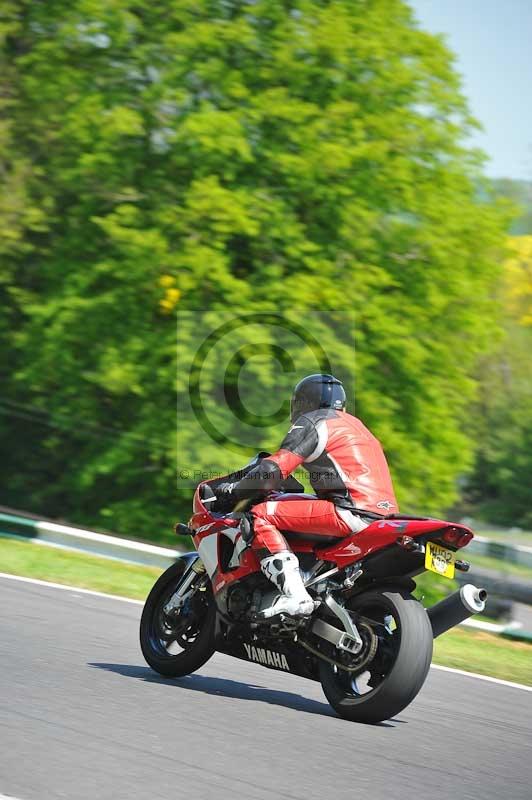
<point x="82" y="716"/>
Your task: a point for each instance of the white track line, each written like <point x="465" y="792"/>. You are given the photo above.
<point x="76" y="590"/>
<point x="67" y="588"/>
<point x="482" y="677"/>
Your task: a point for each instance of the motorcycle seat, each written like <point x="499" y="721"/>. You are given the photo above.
<point x="310" y="537"/>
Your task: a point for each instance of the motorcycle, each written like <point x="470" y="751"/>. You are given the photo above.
<point x="369" y="641"/>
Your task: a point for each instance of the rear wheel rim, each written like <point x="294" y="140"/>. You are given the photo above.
<point x="384" y="621"/>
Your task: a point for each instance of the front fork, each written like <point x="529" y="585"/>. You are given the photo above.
<point x="185" y="590"/>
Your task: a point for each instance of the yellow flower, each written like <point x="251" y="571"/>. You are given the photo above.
<point x="170" y="300"/>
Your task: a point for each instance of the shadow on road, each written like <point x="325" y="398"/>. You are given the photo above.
<point x="224" y="687"/>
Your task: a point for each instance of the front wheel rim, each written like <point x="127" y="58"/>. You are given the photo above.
<point x="171" y="637"/>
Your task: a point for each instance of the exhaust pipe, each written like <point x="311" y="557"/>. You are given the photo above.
<point x="456" y="608"/>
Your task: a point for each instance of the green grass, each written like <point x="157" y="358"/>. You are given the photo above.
<point x="76" y="569"/>
<point x="470" y="650"/>
<point x="431" y="588"/>
<point x="476" y="651"/>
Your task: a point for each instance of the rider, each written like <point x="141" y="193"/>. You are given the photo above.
<point x="347" y="470"/>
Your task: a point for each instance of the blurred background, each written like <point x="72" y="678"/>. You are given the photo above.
<point x="201" y="202"/>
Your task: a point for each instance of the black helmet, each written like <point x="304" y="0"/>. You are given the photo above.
<point x="317" y="391"/>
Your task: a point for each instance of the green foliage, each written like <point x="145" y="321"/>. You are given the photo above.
<point x="212" y="158"/>
<point x="502" y="479"/>
<point x="520" y="193"/>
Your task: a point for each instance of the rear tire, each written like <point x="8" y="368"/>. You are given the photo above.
<point x="192" y="628"/>
<point x="399" y="667"/>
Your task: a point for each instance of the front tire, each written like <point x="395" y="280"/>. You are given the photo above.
<point x="179" y="645"/>
<point x="399" y="667"/>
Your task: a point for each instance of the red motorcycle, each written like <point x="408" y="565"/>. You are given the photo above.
<point x="369" y="641"/>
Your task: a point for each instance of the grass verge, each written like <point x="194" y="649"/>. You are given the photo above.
<point x="76" y="569"/>
<point x="469" y="650"/>
<point x="476" y="651"/>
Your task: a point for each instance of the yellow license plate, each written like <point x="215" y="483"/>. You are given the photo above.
<point x="439" y="560"/>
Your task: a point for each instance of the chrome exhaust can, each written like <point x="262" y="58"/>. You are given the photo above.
<point x="459" y="606"/>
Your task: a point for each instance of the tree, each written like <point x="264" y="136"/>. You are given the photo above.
<point x="518" y="281"/>
<point x="500" y="484"/>
<point x="518" y="192"/>
<point x="208" y="159"/>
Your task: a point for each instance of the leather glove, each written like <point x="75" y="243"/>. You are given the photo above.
<point x="225" y="499"/>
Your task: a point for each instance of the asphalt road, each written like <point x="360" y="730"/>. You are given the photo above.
<point x="81" y="716"/>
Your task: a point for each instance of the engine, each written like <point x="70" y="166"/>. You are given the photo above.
<point x="239" y="602"/>
<point x="245" y="601"/>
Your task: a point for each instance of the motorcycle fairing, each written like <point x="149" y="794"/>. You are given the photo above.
<point x="378" y="535"/>
<point x="212" y="547"/>
<point x="276" y="655"/>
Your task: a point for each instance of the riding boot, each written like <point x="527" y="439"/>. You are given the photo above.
<point x="282" y="569"/>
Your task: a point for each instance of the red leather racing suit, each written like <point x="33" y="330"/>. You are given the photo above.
<point x="347" y="470"/>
